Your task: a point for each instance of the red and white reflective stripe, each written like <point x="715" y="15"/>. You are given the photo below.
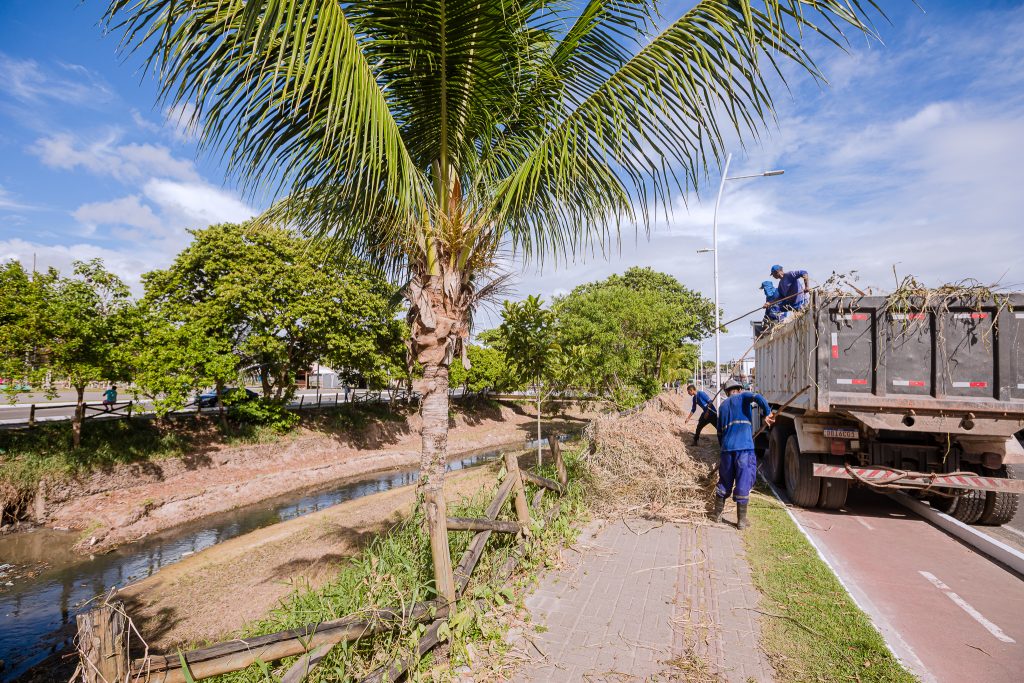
<point x="881" y="476"/>
<point x="1019" y="316"/>
<point x="972" y="316"/>
<point x="907" y="383"/>
<point x="909" y="316"/>
<point x="1020" y="385"/>
<point x="970" y="385"/>
<point x="853" y="316"/>
<point x="851" y="381"/>
<point x="835" y="345"/>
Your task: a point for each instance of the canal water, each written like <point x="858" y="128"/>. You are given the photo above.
<point x="37" y="612"/>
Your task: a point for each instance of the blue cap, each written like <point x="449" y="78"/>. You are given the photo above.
<point x="775" y="268"/>
<point x="767" y="285"/>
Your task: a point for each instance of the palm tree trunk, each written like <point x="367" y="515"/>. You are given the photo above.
<point x="437" y="323"/>
<point x="538" y="424"/>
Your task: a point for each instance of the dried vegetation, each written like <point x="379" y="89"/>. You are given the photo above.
<point x="641" y="465"/>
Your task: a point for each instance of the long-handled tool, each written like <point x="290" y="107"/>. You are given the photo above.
<point x="784" y="406"/>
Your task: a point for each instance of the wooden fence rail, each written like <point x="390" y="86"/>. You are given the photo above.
<point x="104" y="656"/>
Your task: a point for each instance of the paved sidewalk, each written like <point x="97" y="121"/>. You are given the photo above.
<point x="643" y="602"/>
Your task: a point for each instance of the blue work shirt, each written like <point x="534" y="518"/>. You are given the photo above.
<point x="791" y="284"/>
<point x="736" y="422"/>
<point x="702" y="399"/>
<point x="774" y="311"/>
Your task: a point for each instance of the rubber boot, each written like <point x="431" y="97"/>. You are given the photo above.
<point x="716" y="516"/>
<point x="741" y="516"/>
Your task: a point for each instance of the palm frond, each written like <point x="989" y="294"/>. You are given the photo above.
<point x="649" y="131"/>
<point x="284" y="87"/>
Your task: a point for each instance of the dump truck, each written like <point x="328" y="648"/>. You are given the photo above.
<point x="918" y="393"/>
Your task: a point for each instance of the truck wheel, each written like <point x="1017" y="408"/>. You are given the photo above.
<point x="969" y="507"/>
<point x="804" y="488"/>
<point x="775" y="458"/>
<point x="833" y="491"/>
<point x="946" y="504"/>
<point x="1000" y="507"/>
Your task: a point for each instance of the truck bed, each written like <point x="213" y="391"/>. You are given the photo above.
<point x="862" y="354"/>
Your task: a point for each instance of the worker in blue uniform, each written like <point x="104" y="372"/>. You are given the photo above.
<point x="793" y="287"/>
<point x="773" y="312"/>
<point x="737" y="466"/>
<point x="708" y="413"/>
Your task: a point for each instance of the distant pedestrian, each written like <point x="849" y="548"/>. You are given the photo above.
<point x="737" y="465"/>
<point x="793" y="287"/>
<point x="109" y="398"/>
<point x="708" y="414"/>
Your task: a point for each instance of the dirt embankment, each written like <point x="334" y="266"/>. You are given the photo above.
<point x="132" y="501"/>
<point x="200" y="597"/>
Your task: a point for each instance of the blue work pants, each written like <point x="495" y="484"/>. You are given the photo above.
<point x="736" y="473"/>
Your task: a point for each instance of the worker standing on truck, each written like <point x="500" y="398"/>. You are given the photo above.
<point x="737" y="465"/>
<point x="772" y="310"/>
<point x="793" y="286"/>
<point x="708" y="414"/>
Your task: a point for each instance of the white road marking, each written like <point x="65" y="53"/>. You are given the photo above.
<point x="863" y="523"/>
<point x="965" y="606"/>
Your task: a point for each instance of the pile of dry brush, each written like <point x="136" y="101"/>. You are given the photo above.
<point x="640" y="464"/>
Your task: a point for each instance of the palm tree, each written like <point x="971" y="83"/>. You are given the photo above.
<point x="427" y="135"/>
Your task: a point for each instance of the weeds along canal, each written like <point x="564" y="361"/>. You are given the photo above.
<point x="50" y="584"/>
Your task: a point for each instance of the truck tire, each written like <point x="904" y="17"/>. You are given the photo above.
<point x="1000" y="507"/>
<point x="774" y="464"/>
<point x="803" y="487"/>
<point x="946" y="504"/>
<point x="969" y="507"/>
<point x="833" y="491"/>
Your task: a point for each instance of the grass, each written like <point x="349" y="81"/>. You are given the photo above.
<point x="395" y="569"/>
<point x="810" y="627"/>
<point x="29" y="455"/>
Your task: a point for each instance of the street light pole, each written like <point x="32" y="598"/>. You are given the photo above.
<point x="714" y="248"/>
<point x="718" y="310"/>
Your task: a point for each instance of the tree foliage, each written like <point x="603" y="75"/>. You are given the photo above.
<point x="240" y="301"/>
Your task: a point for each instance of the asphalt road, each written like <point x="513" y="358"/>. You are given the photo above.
<point x="948" y="612"/>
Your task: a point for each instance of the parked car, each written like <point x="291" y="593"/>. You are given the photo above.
<point x="208" y="399"/>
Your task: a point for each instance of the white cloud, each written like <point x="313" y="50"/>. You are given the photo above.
<point x="28" y="81"/>
<point x="129" y="162"/>
<point x="127" y="264"/>
<point x="9" y="202"/>
<point x="127" y="211"/>
<point x="196" y="204"/>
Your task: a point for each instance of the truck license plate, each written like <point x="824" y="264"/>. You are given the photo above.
<point x="839" y="433"/>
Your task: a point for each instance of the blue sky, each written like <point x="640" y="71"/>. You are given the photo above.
<point x="911" y="159"/>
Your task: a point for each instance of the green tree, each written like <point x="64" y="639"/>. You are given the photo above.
<point x="21" y="331"/>
<point x="528" y="339"/>
<point x="429" y="133"/>
<point x="629" y="325"/>
<point x="487" y="371"/>
<point x="89" y="324"/>
<point x="245" y="301"/>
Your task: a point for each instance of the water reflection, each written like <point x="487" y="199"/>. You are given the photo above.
<point x="37" y="614"/>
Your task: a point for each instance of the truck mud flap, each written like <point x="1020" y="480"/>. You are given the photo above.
<point x="882" y="476"/>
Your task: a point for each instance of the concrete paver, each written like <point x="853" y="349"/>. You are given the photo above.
<point x="633" y="598"/>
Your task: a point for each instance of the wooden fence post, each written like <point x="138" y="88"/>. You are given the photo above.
<point x="521" y="504"/>
<point x="103" y="644"/>
<point x="32" y="415"/>
<point x="130" y="404"/>
<point x="556" y="450"/>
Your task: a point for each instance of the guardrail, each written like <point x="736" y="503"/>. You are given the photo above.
<point x="104" y="633"/>
<point x="137" y="409"/>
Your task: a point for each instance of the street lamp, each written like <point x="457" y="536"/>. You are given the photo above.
<point x="714" y="248"/>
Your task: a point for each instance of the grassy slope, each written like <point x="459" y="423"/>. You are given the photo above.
<point x="812" y="630"/>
